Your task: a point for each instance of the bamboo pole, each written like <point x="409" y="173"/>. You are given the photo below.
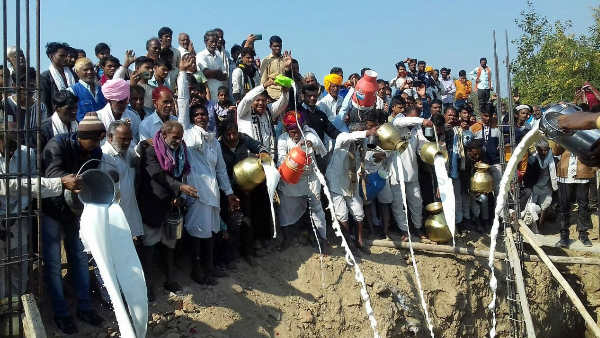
<point x="480" y="253"/>
<point x="511" y="250"/>
<point x="591" y="324"/>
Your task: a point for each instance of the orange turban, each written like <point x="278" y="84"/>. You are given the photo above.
<point x="332" y="79"/>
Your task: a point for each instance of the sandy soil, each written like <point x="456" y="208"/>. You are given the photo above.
<point x="289" y="294"/>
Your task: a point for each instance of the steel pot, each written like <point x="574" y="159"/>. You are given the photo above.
<point x="580" y="142"/>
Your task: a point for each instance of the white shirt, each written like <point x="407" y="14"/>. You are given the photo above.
<point x="329" y="106"/>
<point x="237" y="81"/>
<point x="208" y="171"/>
<point x="151" y="125"/>
<point x="106" y="116"/>
<point x="308" y="184"/>
<point x="205" y="60"/>
<point x="484" y="82"/>
<point x="125" y="167"/>
<point x="339" y="169"/>
<point x="258" y="126"/>
<point x="408" y="158"/>
<point x="448" y="90"/>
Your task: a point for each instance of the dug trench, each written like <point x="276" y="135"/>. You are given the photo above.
<point x="286" y="294"/>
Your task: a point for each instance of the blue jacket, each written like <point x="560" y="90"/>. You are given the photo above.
<point x="87" y="102"/>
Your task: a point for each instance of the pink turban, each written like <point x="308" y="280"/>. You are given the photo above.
<point x="116" y="90"/>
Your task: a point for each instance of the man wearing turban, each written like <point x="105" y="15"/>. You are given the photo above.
<point x="330" y="104"/>
<point x="296" y="198"/>
<point x="116" y="92"/>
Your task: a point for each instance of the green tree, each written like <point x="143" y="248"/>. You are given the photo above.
<point x="550" y="63"/>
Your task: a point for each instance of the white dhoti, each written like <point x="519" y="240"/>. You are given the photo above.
<point x="201" y="220"/>
<point x="343" y="205"/>
<point x="291" y="209"/>
<point x="414" y="204"/>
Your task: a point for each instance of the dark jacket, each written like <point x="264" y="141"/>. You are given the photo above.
<point x="318" y="121"/>
<point x="62" y="156"/>
<point x="157" y="188"/>
<point x="46" y="132"/>
<point x="245" y="146"/>
<point x="48" y="90"/>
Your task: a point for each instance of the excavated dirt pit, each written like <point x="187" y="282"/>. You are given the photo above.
<point x="284" y="295"/>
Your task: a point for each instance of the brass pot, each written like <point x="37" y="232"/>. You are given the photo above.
<point x="249" y="173"/>
<point x="429" y="150"/>
<point x="482" y="182"/>
<point x="435" y="225"/>
<point x="390" y="138"/>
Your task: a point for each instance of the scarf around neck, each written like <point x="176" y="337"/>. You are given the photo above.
<point x="175" y="161"/>
<point x="59" y="127"/>
<point x="58" y="80"/>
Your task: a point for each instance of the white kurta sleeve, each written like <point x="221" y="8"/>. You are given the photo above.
<point x="221" y="171"/>
<point x="245" y="105"/>
<point x="237" y="81"/>
<point x="317" y="145"/>
<point x="183" y="101"/>
<point x="51" y="187"/>
<point x="121" y="73"/>
<point x="344" y="138"/>
<point x="279" y="106"/>
<point x="403" y="121"/>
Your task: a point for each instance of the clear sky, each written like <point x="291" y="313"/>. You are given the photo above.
<point x="321" y="34"/>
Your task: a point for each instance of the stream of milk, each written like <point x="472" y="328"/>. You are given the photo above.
<point x="446" y="193"/>
<point x="532" y="136"/>
<point x="105" y="233"/>
<point x="358" y="276"/>
<point x="412" y="254"/>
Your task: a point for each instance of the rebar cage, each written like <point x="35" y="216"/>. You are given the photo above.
<point x="20" y="162"/>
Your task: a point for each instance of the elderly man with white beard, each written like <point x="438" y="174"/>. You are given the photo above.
<point x="119" y="155"/>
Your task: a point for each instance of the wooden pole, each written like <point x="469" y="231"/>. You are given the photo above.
<point x="591" y="324"/>
<point x="511" y="250"/>
<point x="480" y="253"/>
<point x="32" y="320"/>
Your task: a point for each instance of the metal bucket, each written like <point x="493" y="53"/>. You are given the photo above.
<point x="97" y="187"/>
<point x="580" y="142"/>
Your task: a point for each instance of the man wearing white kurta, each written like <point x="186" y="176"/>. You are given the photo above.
<point x="407" y="162"/>
<point x="294" y="198"/>
<point x="116" y="92"/>
<point x="255" y="117"/>
<point x="211" y="63"/>
<point x="119" y="154"/>
<point x="342" y="177"/>
<point x="208" y="173"/>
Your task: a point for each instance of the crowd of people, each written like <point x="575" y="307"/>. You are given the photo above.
<point x="174" y="122"/>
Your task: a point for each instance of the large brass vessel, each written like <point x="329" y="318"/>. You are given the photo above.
<point x="429" y="150"/>
<point x="249" y="173"/>
<point x="390" y="138"/>
<point x="435" y="225"/>
<point x="482" y="182"/>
